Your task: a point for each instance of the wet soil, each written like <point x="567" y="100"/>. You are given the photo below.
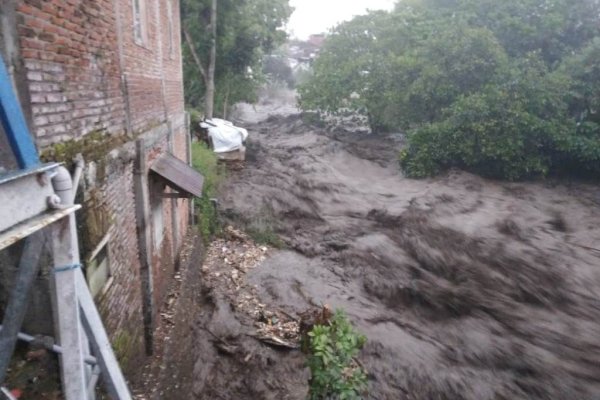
<point x="466" y="288"/>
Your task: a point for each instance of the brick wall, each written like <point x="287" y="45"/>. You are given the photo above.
<point x="154" y="74"/>
<point x="74" y="65"/>
<point x="120" y="304"/>
<point x="70" y="52"/>
<point x="87" y="77"/>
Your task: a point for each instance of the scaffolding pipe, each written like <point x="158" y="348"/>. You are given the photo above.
<point x="17" y="304"/>
<point x="52" y="347"/>
<point x="69" y="331"/>
<point x="7" y="394"/>
<point x="79" y="165"/>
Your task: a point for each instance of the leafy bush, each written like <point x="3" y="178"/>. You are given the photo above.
<point x="582" y="148"/>
<point x="508" y="89"/>
<point x="196" y="116"/>
<point x="454" y="62"/>
<point x="205" y="161"/>
<point x="334" y="372"/>
<point x="512" y="130"/>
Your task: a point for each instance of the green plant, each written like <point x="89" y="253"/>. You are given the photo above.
<point x="245" y="32"/>
<point x="335" y="374"/>
<point x="510" y="130"/>
<point x="196" y="116"/>
<point x="124" y="344"/>
<point x="205" y="161"/>
<point x="266" y="236"/>
<point x="506" y="89"/>
<point x="262" y="228"/>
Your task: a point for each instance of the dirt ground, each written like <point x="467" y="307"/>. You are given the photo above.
<point x="465" y="288"/>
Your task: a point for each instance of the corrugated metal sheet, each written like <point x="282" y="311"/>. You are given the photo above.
<point x="179" y="174"/>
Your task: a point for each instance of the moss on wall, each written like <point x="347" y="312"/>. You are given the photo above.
<point x="126" y="347"/>
<point x="95" y="221"/>
<point x="94" y="147"/>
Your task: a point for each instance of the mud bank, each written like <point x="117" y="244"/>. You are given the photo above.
<point x="466" y="288"/>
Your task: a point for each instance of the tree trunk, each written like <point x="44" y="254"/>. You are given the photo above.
<point x="191" y="46"/>
<point x="209" y="100"/>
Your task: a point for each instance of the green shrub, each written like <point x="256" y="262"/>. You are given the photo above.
<point x="196" y="116"/>
<point x="205" y="161"/>
<point x="582" y="149"/>
<point x="512" y="130"/>
<point x="334" y="372"/>
<point x="262" y="226"/>
<point x="507" y="89"/>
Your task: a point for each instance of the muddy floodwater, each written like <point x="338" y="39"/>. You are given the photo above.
<point x="466" y="288"/>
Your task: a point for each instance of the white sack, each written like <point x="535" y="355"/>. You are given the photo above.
<point x="224" y="135"/>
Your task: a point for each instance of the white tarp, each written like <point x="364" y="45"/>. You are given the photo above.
<point x="224" y="135"/>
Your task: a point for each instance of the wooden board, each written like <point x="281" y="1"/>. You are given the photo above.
<point x="178" y="174"/>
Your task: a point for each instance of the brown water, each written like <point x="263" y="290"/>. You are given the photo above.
<point x="466" y="288"/>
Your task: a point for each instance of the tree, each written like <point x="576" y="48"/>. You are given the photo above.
<point x="208" y="74"/>
<point x="581" y="150"/>
<point x="246" y="30"/>
<point x="511" y="129"/>
<point x="210" y="81"/>
<point x="507" y="89"/>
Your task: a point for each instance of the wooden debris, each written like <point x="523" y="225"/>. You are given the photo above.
<point x="228" y="260"/>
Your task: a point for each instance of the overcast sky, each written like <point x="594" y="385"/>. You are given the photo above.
<point x="316" y="16"/>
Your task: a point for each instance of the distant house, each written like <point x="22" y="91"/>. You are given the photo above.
<point x="317" y="40"/>
<point x="104" y="78"/>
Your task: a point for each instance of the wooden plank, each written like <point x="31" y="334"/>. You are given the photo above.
<point x="32" y="225"/>
<point x="179" y="174"/>
<point x="102" y="349"/>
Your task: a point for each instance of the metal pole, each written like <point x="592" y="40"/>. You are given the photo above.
<point x="13" y="121"/>
<point x="111" y="372"/>
<point x="91" y="360"/>
<point x="19" y="298"/>
<point x="69" y="332"/>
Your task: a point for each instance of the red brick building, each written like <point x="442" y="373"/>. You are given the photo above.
<point x="104" y="78"/>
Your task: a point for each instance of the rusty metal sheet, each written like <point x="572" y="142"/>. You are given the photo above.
<point x="178" y="174"/>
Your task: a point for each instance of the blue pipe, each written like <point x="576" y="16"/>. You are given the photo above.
<point x="13" y="122"/>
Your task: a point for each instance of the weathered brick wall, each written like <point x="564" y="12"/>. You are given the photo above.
<point x="171" y="62"/>
<point x="121" y="302"/>
<point x="70" y="52"/>
<point x="154" y="75"/>
<point x="86" y="77"/>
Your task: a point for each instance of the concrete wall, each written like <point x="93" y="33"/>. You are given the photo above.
<point x="88" y="86"/>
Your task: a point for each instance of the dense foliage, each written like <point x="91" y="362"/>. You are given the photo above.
<point x="334" y="372"/>
<point x="246" y="30"/>
<point x="508" y="89"/>
<point x="205" y="161"/>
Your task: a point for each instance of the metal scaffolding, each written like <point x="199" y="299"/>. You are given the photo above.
<point x="38" y="206"/>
